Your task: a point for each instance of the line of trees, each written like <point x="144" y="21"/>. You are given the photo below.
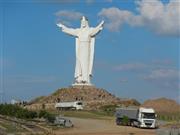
<point x="16" y="111"/>
<point x="19" y="112"/>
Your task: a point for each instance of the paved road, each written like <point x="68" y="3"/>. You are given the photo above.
<point x="101" y="127"/>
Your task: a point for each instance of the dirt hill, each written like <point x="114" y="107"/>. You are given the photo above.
<point x="163" y="105"/>
<point x="93" y="98"/>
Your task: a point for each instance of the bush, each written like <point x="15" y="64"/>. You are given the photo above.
<point x="50" y="117"/>
<point x="44" y="114"/>
<point x="125" y="120"/>
<point x="16" y="111"/>
<point x="109" y="109"/>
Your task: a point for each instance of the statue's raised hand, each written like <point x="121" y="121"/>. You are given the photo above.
<point x="102" y="23"/>
<point x="60" y="25"/>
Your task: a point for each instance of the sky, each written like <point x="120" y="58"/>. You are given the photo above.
<point x="136" y="54"/>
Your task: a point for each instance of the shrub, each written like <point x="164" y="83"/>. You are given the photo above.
<point x="109" y="109"/>
<point x="125" y="120"/>
<point x="16" y="111"/>
<point x="44" y="114"/>
<point x="50" y="117"/>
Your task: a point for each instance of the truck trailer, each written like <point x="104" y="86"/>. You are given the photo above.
<point x="139" y="117"/>
<point x="77" y="105"/>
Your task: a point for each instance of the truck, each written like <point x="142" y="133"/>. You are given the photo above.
<point x="76" y="105"/>
<point x="138" y="117"/>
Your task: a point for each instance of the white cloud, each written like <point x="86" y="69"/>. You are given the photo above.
<point x="167" y="78"/>
<point x="163" y="73"/>
<point x="69" y="15"/>
<point x="163" y="62"/>
<point x="161" y="18"/>
<point x="123" y="80"/>
<point x="108" y="0"/>
<point x="58" y="1"/>
<point x="93" y="1"/>
<point x="5" y="63"/>
<point x="160" y="73"/>
<point x="90" y="1"/>
<point x="30" y="79"/>
<point x="131" y="67"/>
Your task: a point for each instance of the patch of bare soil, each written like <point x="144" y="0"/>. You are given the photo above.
<point x="101" y="127"/>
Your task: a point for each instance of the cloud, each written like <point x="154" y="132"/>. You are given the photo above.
<point x="160" y="73"/>
<point x="123" y="80"/>
<point x="66" y="1"/>
<point x="14" y="80"/>
<point x="56" y="1"/>
<point x="69" y="15"/>
<point x="130" y="67"/>
<point x="90" y="1"/>
<point x="108" y="0"/>
<point x="5" y="63"/>
<point x="163" y="19"/>
<point x="115" y="17"/>
<point x="93" y="1"/>
<point x="163" y="62"/>
<point x="166" y="78"/>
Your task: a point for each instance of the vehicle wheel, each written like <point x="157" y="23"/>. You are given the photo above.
<point x="132" y="124"/>
<point x="118" y="122"/>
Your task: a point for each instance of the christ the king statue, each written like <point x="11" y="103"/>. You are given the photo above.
<point x="85" y="41"/>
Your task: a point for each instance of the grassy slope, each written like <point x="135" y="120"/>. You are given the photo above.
<point x="85" y="114"/>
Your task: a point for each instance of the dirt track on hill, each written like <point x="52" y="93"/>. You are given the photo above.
<point x="101" y="127"/>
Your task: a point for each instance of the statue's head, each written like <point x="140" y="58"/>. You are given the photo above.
<point x="84" y="22"/>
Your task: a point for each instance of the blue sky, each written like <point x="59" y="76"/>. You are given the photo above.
<point x="136" y="54"/>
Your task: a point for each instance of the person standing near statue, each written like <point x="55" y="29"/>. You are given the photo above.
<point x="85" y="41"/>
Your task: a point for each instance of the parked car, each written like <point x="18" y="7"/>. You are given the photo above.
<point x="61" y="121"/>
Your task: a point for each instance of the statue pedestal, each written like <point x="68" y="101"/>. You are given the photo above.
<point x="82" y="85"/>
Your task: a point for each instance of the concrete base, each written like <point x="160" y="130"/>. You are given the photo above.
<point x="82" y="85"/>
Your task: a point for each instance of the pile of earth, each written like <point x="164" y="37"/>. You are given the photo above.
<point x="92" y="97"/>
<point x="163" y="105"/>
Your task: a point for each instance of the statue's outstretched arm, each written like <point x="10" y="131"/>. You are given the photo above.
<point x="70" y="31"/>
<point x="97" y="29"/>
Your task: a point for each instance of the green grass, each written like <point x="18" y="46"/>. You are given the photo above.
<point x="85" y="114"/>
<point x="171" y="117"/>
<point x="12" y="127"/>
<point x="105" y="112"/>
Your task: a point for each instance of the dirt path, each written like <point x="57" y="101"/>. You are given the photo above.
<point x="101" y="127"/>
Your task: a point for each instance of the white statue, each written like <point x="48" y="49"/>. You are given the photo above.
<point x="85" y="40"/>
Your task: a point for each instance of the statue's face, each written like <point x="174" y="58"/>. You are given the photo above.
<point x="83" y="23"/>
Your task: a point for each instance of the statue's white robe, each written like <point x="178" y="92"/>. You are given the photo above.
<point x="84" y="52"/>
<point x="84" y="60"/>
